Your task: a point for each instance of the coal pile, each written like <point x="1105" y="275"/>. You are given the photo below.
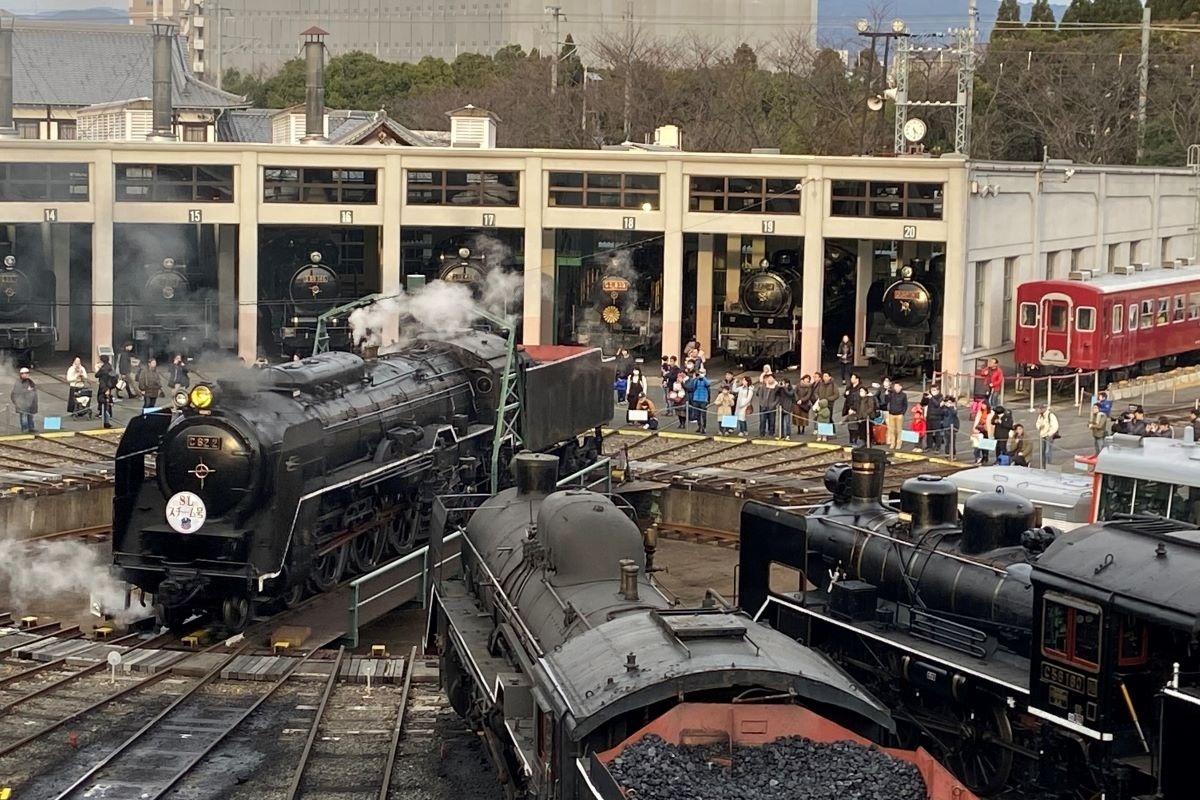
<point x="792" y="768"/>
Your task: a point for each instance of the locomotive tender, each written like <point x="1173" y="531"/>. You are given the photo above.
<point x="27" y="306"/>
<point x="1054" y="666"/>
<point x="556" y="645"/>
<point x="277" y="481"/>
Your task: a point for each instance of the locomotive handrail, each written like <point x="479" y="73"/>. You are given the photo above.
<point x="357" y="602"/>
<point x="499" y="595"/>
<point x="894" y="540"/>
<point x="606" y="463"/>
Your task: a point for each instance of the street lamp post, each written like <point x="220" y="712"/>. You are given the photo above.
<point x="899" y="29"/>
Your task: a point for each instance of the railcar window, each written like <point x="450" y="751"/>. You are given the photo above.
<point x="1071" y="634"/>
<point x="1194" y="305"/>
<point x="1118" y="318"/>
<point x="1058" y="318"/>
<point x="1147" y="314"/>
<point x="1178" y="315"/>
<point x="1116" y="496"/>
<point x="1085" y="319"/>
<point x="1185" y="504"/>
<point x="1152" y="497"/>
<point x="1029" y="315"/>
<point x="1134" y="646"/>
<point x="1164" y="303"/>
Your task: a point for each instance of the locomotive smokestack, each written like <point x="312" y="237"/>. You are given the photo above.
<point x="314" y="89"/>
<point x="629" y="579"/>
<point x="867" y="465"/>
<point x="163" y="129"/>
<point x="535" y="473"/>
<point x="6" y="77"/>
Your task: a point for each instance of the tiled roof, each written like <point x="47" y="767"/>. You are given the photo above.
<point x="75" y="67"/>
<point x="245" y="125"/>
<point x="345" y="127"/>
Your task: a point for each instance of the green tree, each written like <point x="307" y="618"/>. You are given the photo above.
<point x="1080" y="11"/>
<point x="1174" y="9"/>
<point x="285" y="88"/>
<point x="472" y="70"/>
<point x="1042" y="14"/>
<point x="250" y="87"/>
<point x="1116" y="11"/>
<point x="745" y="57"/>
<point x="570" y="68"/>
<point x="1008" y="16"/>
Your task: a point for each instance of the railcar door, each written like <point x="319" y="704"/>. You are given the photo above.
<point x="1054" y="346"/>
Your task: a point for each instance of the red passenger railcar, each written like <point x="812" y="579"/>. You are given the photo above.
<point x="1123" y="322"/>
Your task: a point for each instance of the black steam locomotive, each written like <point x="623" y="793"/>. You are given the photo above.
<point x="763" y="326"/>
<point x="27" y="310"/>
<point x="1043" y="665"/>
<point x="170" y="316"/>
<point x="904" y="323"/>
<point x="281" y="479"/>
<point x="623" y="304"/>
<point x="312" y="290"/>
<point x="556" y="645"/>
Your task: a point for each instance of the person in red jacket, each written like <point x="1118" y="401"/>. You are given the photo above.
<point x="995" y="382"/>
<point x="919" y="426"/>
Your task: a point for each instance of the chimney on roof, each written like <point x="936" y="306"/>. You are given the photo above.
<point x="6" y="77"/>
<point x="314" y="87"/>
<point x="163" y="127"/>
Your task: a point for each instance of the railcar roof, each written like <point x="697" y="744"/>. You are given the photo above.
<point x="1151" y="458"/>
<point x="1122" y="559"/>
<point x="674" y="650"/>
<point x="1109" y="283"/>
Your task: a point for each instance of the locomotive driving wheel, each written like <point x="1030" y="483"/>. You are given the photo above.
<point x="401" y="529"/>
<point x="365" y="550"/>
<point x="327" y="569"/>
<point x="981" y="755"/>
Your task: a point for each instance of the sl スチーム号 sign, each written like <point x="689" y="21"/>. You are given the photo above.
<point x="186" y="512"/>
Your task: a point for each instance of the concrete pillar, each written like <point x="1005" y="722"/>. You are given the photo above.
<point x="758" y="249"/>
<point x="540" y="259"/>
<point x="248" y="195"/>
<point x="956" y="270"/>
<point x="60" y="238"/>
<point x="1150" y="251"/>
<point x="227" y="290"/>
<point x="390" y="266"/>
<point x="704" y="292"/>
<point x="733" y="269"/>
<point x="673" y="207"/>
<point x="102" y="253"/>
<point x="864" y="273"/>
<point x="813" y="307"/>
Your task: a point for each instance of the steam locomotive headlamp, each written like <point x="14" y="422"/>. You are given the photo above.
<point x="181" y="399"/>
<point x="906" y="272"/>
<point x="201" y="396"/>
<point x="168" y="263"/>
<point x="464" y="252"/>
<point x="314" y="257"/>
<point x="765" y="263"/>
<point x="10" y="262"/>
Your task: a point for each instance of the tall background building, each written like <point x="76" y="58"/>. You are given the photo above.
<point x="254" y="35"/>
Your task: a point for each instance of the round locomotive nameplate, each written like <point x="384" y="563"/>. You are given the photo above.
<point x="185" y="512"/>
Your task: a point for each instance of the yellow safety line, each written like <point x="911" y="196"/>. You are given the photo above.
<point x="680" y="435"/>
<point x="101" y="431"/>
<point x="57" y="434"/>
<point x="18" y="437"/>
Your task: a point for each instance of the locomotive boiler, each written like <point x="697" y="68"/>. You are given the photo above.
<point x="170" y="316"/>
<point x="27" y="310"/>
<point x="904" y="326"/>
<point x="274" y="482"/>
<point x="555" y="644"/>
<point x="763" y="325"/>
<point x="1026" y="660"/>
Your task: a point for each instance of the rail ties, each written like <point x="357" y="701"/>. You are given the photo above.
<point x="350" y="750"/>
<point x="155" y="758"/>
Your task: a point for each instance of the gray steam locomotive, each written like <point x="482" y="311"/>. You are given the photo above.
<point x="556" y="645"/>
<point x="1034" y="665"/>
<point x="904" y="323"/>
<point x="27" y="310"/>
<point x="277" y="481"/>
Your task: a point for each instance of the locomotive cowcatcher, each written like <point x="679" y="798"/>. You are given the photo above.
<point x="1035" y="665"/>
<point x="276" y="481"/>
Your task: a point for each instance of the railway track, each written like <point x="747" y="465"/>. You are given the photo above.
<point x="351" y="748"/>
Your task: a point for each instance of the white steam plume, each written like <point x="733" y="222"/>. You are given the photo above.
<point x="39" y="573"/>
<point x="439" y="308"/>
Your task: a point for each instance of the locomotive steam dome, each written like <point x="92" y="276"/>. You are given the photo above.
<point x="210" y="460"/>
<point x="766" y="293"/>
<point x="929" y="500"/>
<point x="907" y="302"/>
<point x="992" y="520"/>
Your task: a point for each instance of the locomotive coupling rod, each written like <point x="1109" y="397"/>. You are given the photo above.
<point x="1133" y="713"/>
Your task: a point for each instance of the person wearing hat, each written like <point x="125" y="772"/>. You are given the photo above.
<point x="1047" y="428"/>
<point x="106" y="386"/>
<point x="24" y="398"/>
<point x="125" y="371"/>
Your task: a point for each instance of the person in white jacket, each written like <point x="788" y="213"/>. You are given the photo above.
<point x="1047" y="428"/>
<point x="743" y="403"/>
<point x="77" y="380"/>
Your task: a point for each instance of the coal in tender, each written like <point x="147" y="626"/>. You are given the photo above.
<point x="792" y="768"/>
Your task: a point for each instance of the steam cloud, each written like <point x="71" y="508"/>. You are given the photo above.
<point x="620" y="263"/>
<point x="47" y="572"/>
<point x="441" y="307"/>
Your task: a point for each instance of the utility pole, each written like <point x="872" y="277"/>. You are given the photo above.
<point x="1143" y="84"/>
<point x="558" y="16"/>
<point x="627" y="125"/>
<point x="966" y="81"/>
